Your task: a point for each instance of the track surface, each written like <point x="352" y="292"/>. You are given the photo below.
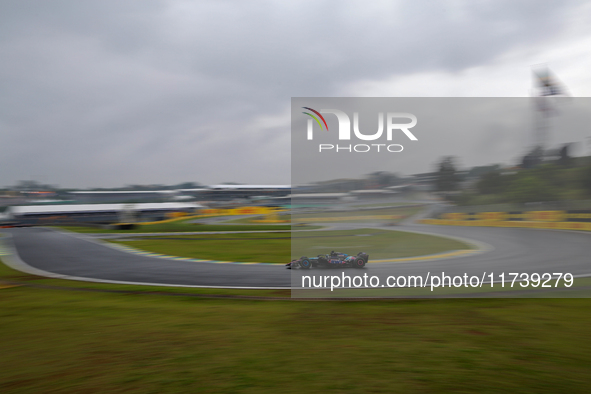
<point x="79" y="256"/>
<point x="514" y="250"/>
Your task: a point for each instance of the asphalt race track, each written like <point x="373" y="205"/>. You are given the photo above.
<point x="82" y="257"/>
<point x="513" y="250"/>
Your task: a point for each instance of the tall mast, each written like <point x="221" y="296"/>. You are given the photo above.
<point x="545" y="87"/>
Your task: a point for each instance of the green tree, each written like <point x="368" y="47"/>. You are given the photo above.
<point x="531" y="189"/>
<point x="447" y="179"/>
<point x="585" y="179"/>
<point x="491" y="183"/>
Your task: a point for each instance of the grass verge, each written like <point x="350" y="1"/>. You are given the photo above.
<point x="380" y="244"/>
<point x="63" y="342"/>
<point x="60" y="341"/>
<point x="386" y="215"/>
<point x="180" y="227"/>
<point x="276" y="247"/>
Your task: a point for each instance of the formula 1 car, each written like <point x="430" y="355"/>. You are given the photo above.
<point x="334" y="259"/>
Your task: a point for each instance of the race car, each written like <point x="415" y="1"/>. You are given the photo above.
<point x="332" y="260"/>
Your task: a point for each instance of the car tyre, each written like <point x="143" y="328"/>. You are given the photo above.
<point x="358" y="263"/>
<point x="305" y="263"/>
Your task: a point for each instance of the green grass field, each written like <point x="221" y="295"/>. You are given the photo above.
<point x="276" y="247"/>
<point x="385" y="204"/>
<point x="252" y="219"/>
<point x="65" y="341"/>
<point x="380" y="244"/>
<point x="392" y="215"/>
<point x="262" y="247"/>
<point x="181" y="227"/>
<point x="63" y="336"/>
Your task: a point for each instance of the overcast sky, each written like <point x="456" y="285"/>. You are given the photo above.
<point x="474" y="131"/>
<point x="108" y="93"/>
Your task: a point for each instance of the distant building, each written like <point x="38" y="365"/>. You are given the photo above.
<point x="94" y="213"/>
<point x="238" y="192"/>
<point x="207" y="193"/>
<point x="113" y="196"/>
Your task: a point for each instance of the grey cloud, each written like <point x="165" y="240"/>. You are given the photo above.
<point x="104" y="93"/>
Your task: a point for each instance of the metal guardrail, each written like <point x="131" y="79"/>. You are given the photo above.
<point x="533" y="206"/>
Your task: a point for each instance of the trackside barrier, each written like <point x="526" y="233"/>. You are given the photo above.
<point x="583" y="226"/>
<point x="348" y="218"/>
<point x="241" y="211"/>
<point x="202" y="213"/>
<point x="574" y="215"/>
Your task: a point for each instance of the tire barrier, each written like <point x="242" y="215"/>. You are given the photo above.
<point x="241" y="211"/>
<point x="575" y="215"/>
<point x="558" y="220"/>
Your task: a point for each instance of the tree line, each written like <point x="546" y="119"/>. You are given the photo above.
<point x="553" y="180"/>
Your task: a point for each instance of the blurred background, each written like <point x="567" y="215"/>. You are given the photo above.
<point x="172" y="118"/>
<point x="107" y="94"/>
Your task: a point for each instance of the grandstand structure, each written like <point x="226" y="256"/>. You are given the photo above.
<point x="207" y="193"/>
<point x="99" y="207"/>
<point x="238" y="192"/>
<point x="35" y="215"/>
<point x="112" y="196"/>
